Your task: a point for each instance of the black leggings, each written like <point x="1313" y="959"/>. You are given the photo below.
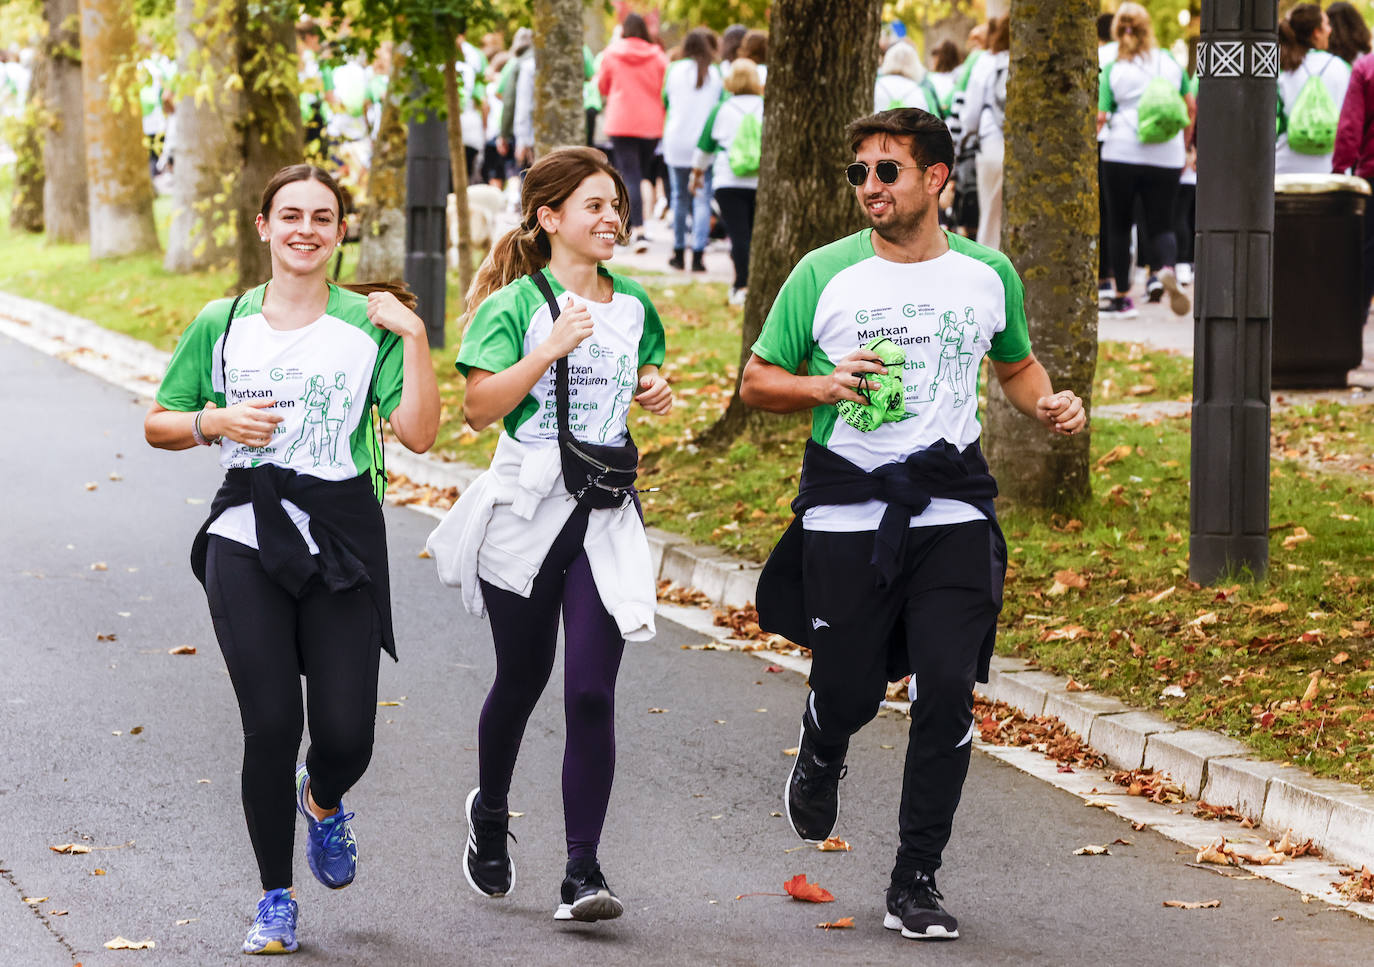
<point x="269" y="640"/>
<point x="1185" y="221"/>
<point x="1155" y="187"/>
<point x="943" y="605"/>
<point x="634" y="159"/>
<point x="525" y="631"/>
<point x="737" y="211"/>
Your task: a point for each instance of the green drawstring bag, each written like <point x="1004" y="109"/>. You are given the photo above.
<point x="886" y="394"/>
<point x="1161" y="113"/>
<point x="1312" y="122"/>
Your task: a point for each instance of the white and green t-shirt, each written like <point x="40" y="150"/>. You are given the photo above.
<point x="319" y="378"/>
<point x="603" y="371"/>
<point x="946" y="314"/>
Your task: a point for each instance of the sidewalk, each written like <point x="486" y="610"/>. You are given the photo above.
<point x="1338" y="817"/>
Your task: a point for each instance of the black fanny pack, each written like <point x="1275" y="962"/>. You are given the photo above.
<point x="598" y="476"/>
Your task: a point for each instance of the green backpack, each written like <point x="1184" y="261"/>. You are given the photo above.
<point x="1312" y="122"/>
<point x="1161" y="112"/>
<point x="746" y="148"/>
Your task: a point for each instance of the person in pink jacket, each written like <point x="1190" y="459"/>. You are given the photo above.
<point x="1354" y="151"/>
<point x="631" y="81"/>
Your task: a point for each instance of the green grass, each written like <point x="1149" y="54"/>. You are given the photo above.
<point x="1244" y="654"/>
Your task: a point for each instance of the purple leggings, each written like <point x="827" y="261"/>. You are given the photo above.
<point x="525" y="631"/>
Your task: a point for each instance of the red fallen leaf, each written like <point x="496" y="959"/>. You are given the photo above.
<point x="774" y="668"/>
<point x="1267" y="719"/>
<point x="799" y="889"/>
<point x="1065" y="767"/>
<point x="843" y="923"/>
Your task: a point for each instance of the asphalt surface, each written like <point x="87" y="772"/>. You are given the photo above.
<point x="119" y="745"/>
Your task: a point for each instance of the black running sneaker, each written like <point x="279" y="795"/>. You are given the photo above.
<point x="586" y="897"/>
<point x="812" y="793"/>
<point x="913" y="907"/>
<point x="487" y="863"/>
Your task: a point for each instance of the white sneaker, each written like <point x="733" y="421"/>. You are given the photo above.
<point x="1184" y="272"/>
<point x="737" y="296"/>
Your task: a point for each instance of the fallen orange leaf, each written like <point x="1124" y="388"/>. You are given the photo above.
<point x="834" y="845"/>
<point x="844" y="923"/>
<point x="1192" y="904"/>
<point x="799" y="889"/>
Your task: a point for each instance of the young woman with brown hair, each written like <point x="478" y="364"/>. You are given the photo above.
<point x="293" y="559"/>
<point x="521" y="546"/>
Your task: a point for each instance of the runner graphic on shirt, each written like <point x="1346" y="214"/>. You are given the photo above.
<point x="313" y="428"/>
<point x="948" y="368"/>
<point x="338" y="403"/>
<point x="968" y="340"/>
<point x="625" y="381"/>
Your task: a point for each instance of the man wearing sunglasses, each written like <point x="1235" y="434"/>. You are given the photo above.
<point x="894" y="564"/>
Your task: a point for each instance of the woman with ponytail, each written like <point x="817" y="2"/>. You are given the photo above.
<point x="521" y="547"/>
<point x="1303" y="38"/>
<point x="282" y="381"/>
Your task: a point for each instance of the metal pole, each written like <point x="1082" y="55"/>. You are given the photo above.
<point x="427" y="180"/>
<point x="1237" y="59"/>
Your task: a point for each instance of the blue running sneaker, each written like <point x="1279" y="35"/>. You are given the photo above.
<point x="331" y="850"/>
<point x="274" y="928"/>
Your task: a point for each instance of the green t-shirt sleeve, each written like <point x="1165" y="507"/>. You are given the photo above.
<point x="706" y="142"/>
<point x="496" y="338"/>
<point x="1012" y="344"/>
<point x="389" y="374"/>
<point x="588" y="64"/>
<point x="652" y="345"/>
<point x="188" y="383"/>
<point x="1105" y="102"/>
<point x="787" y="336"/>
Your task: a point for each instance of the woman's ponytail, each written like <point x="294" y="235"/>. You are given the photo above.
<point x="519" y="252"/>
<point x="1295" y="34"/>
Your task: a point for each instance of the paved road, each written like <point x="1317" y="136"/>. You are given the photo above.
<point x="690" y="825"/>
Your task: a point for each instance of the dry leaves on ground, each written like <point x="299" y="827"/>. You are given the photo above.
<point x="1358" y="885"/>
<point x="690" y="597"/>
<point x="1091" y="850"/>
<point x="1205" y="810"/>
<point x="401" y="490"/>
<point x="834" y="845"/>
<point x="182" y="650"/>
<point x="844" y="923"/>
<point x="1223" y="853"/>
<point x="1000" y="724"/>
<point x="1192" y="904"/>
<point x="798" y="888"/>
<point x="70" y="848"/>
<point x="1154" y="786"/>
<point x="119" y="943"/>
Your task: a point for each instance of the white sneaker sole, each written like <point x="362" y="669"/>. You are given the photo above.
<point x="787" y="800"/>
<point x="602" y="905"/>
<point x="472" y="845"/>
<point x="893" y="922"/>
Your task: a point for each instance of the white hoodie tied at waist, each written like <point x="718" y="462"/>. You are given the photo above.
<point x="503" y="525"/>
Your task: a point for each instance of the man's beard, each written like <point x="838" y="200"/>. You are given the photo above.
<point x="897" y="229"/>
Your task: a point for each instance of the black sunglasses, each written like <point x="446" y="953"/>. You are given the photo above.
<point x="888" y="172"/>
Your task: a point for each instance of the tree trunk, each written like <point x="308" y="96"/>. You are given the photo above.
<point x="459" y="166"/>
<point x="804" y="201"/>
<point x="121" y="186"/>
<point x="558" y="76"/>
<point x="66" y="198"/>
<point x="382" y="237"/>
<point x="26" y="204"/>
<point x="271" y="135"/>
<point x="1050" y="233"/>
<point x="205" y="143"/>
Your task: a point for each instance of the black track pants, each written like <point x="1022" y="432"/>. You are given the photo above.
<point x="943" y="605"/>
<point x="1155" y="187"/>
<point x="269" y="640"/>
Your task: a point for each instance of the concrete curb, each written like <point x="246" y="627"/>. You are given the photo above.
<point x="1339" y="817"/>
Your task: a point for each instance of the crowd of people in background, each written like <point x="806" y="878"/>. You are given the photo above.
<point x="683" y="123"/>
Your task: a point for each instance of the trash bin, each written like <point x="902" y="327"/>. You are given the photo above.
<point x="1318" y="334"/>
